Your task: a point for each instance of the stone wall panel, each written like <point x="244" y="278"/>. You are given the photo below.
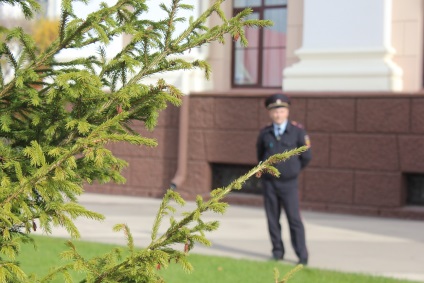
<point x="169" y="117"/>
<point x="417" y="117"/>
<point x="298" y="111"/>
<point x="383" y="115"/>
<point x="378" y="189"/>
<point x="320" y="146"/>
<point x="330" y="115"/>
<point x="236" y="114"/>
<point x="232" y="147"/>
<point x="145" y="172"/>
<point x="328" y="186"/>
<point x="198" y="181"/>
<point x="196" y="145"/>
<point x="362" y="145"/>
<point x="411" y="154"/>
<point x="378" y="152"/>
<point x="201" y="112"/>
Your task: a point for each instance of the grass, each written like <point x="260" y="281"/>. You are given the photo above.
<point x="211" y="269"/>
<point x="207" y="269"/>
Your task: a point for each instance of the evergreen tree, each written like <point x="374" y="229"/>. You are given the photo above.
<point x="57" y="118"/>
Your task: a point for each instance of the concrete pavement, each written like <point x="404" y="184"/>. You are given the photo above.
<point x="371" y="245"/>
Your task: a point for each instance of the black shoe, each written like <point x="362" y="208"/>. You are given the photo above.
<point x="277" y="258"/>
<point x="303" y="261"/>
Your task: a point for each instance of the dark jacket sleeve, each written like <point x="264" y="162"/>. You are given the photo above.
<point x="306" y="156"/>
<point x="260" y="147"/>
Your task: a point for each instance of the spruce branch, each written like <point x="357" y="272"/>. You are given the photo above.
<point x="287" y="276"/>
<point x="217" y="195"/>
<point x="170" y="21"/>
<point x="28" y="7"/>
<point x="64" y="41"/>
<point x="159" y="253"/>
<point x="81" y="144"/>
<point x="216" y="33"/>
<point x="58" y="117"/>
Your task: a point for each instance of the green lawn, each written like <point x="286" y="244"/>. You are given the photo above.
<point x="207" y="269"/>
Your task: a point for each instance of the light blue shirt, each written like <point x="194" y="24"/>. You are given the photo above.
<point x="279" y="129"/>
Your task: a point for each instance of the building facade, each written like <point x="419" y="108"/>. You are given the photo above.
<point x="354" y="71"/>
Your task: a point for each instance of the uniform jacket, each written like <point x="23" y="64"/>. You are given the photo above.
<point x="294" y="136"/>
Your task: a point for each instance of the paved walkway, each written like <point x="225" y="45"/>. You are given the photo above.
<point x="380" y="246"/>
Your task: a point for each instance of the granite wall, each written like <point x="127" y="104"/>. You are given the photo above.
<point x="363" y="145"/>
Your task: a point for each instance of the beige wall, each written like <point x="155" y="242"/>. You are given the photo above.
<point x="294" y="30"/>
<point x="407" y="39"/>
<point x="220" y="55"/>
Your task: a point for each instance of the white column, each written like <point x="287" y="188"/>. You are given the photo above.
<point x="346" y="46"/>
<point x="53" y="9"/>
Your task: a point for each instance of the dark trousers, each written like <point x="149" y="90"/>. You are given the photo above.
<point x="284" y="194"/>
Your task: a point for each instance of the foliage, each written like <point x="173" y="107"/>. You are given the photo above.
<point x="212" y="269"/>
<point x="58" y="117"/>
<point x="45" y="32"/>
<point x="207" y="268"/>
<point x="141" y="265"/>
<point x="286" y="277"/>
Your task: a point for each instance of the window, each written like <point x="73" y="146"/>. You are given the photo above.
<point x="415" y="189"/>
<point x="261" y="63"/>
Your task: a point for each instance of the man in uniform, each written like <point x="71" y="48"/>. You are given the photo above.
<point x="280" y="136"/>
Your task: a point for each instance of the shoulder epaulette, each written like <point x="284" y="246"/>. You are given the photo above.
<point x="296" y="124"/>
